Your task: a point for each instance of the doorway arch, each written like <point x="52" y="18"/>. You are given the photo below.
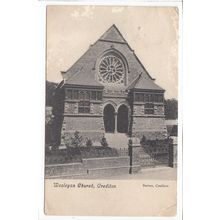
<point x="109" y="118"/>
<point x="122" y="119"/>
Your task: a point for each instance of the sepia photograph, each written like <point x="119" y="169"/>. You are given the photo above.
<point x="111" y="97"/>
<point x="103" y="106"/>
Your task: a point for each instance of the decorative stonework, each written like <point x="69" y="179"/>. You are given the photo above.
<point x="76" y="108"/>
<point x="91" y="108"/>
<point x="159" y="109"/>
<point x="114" y="92"/>
<point x="111" y="70"/>
<point x="139" y="110"/>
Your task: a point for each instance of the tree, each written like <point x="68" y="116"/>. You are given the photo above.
<point x="49" y="134"/>
<point x="50" y="90"/>
<point x="171" y="109"/>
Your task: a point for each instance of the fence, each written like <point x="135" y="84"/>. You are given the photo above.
<point x="122" y="152"/>
<point x="156" y="153"/>
<point x="151" y="153"/>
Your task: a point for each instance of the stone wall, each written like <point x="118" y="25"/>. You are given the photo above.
<point x="89" y="127"/>
<point x="151" y="127"/>
<point x="96" y="108"/>
<point x="173" y="152"/>
<point x="83" y="123"/>
<point x="92" y="125"/>
<point x="89" y="168"/>
<point x="71" y="108"/>
<point x="64" y="169"/>
<point x="158" y="109"/>
<point x="138" y="109"/>
<point x="106" y="162"/>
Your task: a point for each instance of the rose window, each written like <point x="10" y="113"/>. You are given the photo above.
<point x="111" y="70"/>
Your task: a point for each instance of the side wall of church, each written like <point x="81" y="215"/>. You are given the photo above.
<point x="89" y="125"/>
<point x="71" y="108"/>
<point x="152" y="126"/>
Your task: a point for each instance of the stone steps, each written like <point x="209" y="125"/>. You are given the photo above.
<point x="117" y="140"/>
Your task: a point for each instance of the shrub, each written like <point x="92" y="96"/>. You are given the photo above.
<point x="143" y="140"/>
<point x="171" y="109"/>
<point x="77" y="140"/>
<point x="89" y="143"/>
<point x="104" y="142"/>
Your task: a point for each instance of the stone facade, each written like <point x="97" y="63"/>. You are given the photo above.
<point x="109" y="90"/>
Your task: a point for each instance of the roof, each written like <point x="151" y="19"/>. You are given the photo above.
<point x="143" y="82"/>
<point x="84" y="77"/>
<point x="83" y="71"/>
<point x="113" y="34"/>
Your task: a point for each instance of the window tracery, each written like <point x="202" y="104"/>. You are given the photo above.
<point x="111" y="70"/>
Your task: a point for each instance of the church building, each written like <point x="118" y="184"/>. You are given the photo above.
<point x="108" y="90"/>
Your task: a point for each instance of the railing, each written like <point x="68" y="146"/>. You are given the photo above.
<point x="122" y="152"/>
<point x="98" y="152"/>
<point x="158" y="152"/>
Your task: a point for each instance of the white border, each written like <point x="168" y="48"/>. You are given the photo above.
<point x="42" y="8"/>
<point x="111" y="2"/>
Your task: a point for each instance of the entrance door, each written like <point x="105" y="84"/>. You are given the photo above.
<point x="122" y="119"/>
<point x="109" y="118"/>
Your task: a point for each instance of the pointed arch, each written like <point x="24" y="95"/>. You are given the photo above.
<point x="111" y="103"/>
<point x="123" y="103"/>
<point x="109" y="118"/>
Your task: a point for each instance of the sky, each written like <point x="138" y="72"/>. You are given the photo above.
<point x="151" y="31"/>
